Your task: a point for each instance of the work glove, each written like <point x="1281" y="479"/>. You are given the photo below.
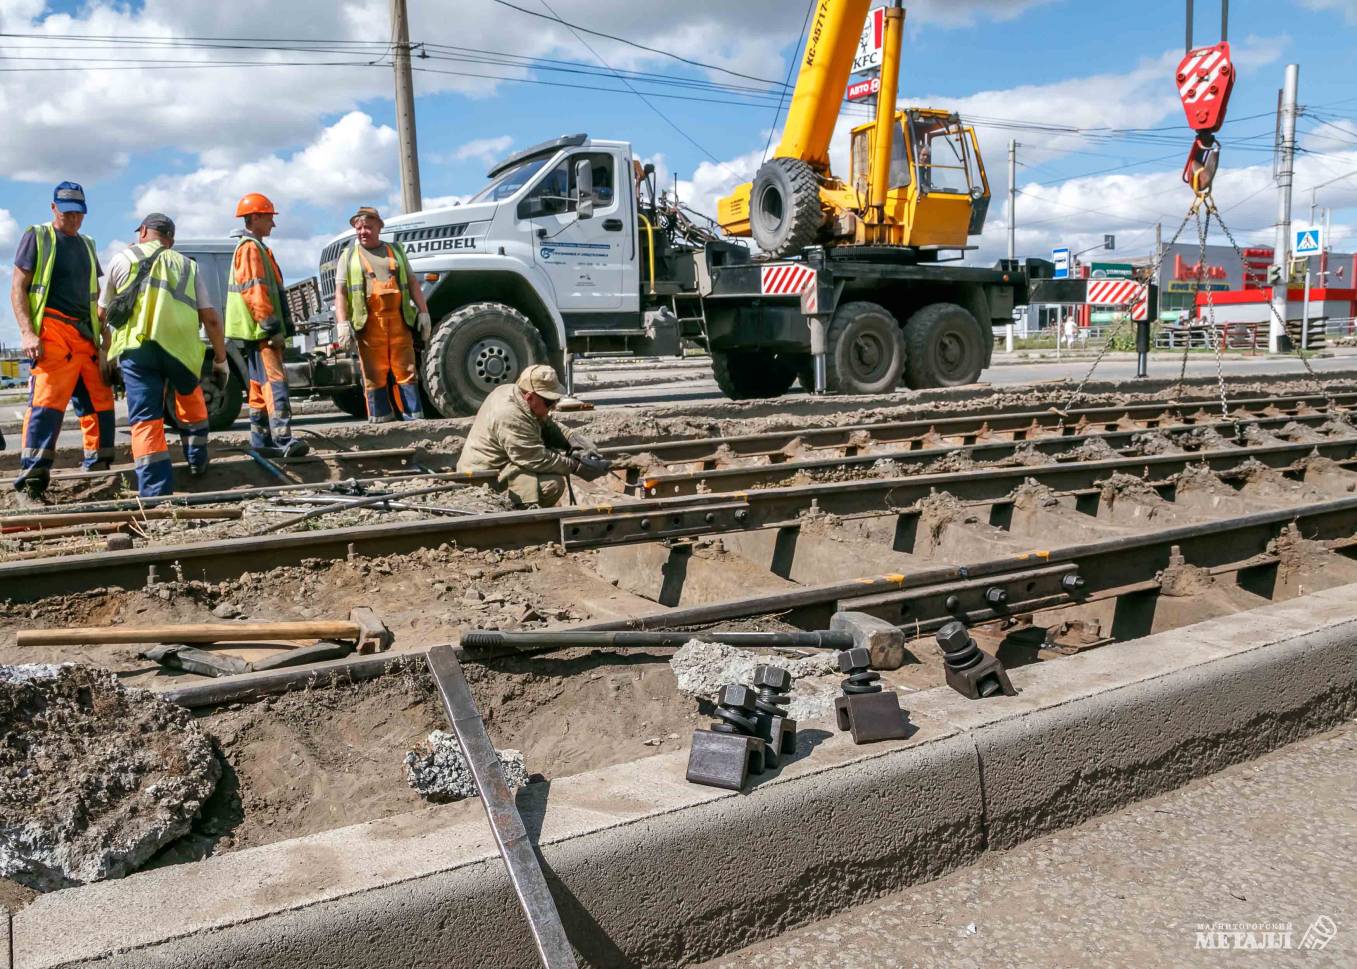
<point x="107" y="367"/>
<point x="425" y="325"/>
<point x="221" y="375"/>
<point x="278" y="341"/>
<point x="591" y="465"/>
<point x="344" y="334"/>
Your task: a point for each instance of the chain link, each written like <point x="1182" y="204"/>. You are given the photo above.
<point x="1107" y="343"/>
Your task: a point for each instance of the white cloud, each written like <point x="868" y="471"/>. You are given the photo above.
<point x="1348" y="8"/>
<point x="485" y="150"/>
<point x="350" y="162"/>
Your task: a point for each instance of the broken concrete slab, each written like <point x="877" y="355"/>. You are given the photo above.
<point x="95" y="778"/>
<point x="703" y="668"/>
<point x="439" y="772"/>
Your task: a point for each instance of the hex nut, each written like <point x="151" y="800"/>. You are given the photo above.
<point x="953" y="637"/>
<point x="772" y="677"/>
<point x="736" y="695"/>
<point x="857" y="658"/>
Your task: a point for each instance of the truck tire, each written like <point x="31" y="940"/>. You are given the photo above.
<point x="866" y="351"/>
<point x="352" y="401"/>
<point x="751" y="374"/>
<point x="475" y="349"/>
<point x="944" y="347"/>
<point x="784" y="207"/>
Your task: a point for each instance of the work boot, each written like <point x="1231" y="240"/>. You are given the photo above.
<point x="382" y="419"/>
<point x="31" y="494"/>
<point x="295" y="449"/>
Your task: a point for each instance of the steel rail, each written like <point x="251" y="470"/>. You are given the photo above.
<point x="761" y="476"/>
<point x="603" y="525"/>
<point x="1124" y="568"/>
<point x="966" y="427"/>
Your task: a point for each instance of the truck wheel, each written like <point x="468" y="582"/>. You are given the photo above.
<point x="476" y="349"/>
<point x="866" y="352"/>
<point x="751" y="374"/>
<point x="944" y="347"/>
<point x="784" y="206"/>
<point x="352" y="401"/>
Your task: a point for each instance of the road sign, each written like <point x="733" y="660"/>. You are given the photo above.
<point x="1308" y="241"/>
<point x="868" y="56"/>
<point x="866" y="88"/>
<point x="1061" y="258"/>
<point x="1111" y="270"/>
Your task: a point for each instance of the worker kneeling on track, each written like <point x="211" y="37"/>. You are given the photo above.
<point x="514" y="436"/>
<point x="378" y="304"/>
<point x="153" y="303"/>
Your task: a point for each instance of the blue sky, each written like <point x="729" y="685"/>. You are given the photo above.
<point x="189" y="137"/>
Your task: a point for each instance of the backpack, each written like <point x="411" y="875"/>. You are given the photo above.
<point x="119" y="309"/>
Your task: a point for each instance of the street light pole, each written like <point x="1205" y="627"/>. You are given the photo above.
<point x="1285" y="173"/>
<point x="1012" y="223"/>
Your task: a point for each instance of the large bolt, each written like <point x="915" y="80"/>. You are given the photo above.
<point x="735" y="708"/>
<point x="996" y="596"/>
<point x="1072" y="582"/>
<point x="857" y="663"/>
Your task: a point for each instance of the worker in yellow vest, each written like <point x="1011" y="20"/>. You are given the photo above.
<point x="378" y="304"/>
<point x="257" y="318"/>
<point x="153" y="304"/>
<point x="54" y="291"/>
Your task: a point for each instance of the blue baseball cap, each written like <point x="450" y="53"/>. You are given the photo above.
<point x="69" y="197"/>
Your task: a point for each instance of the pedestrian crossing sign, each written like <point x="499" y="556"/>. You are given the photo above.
<point x="1308" y="242"/>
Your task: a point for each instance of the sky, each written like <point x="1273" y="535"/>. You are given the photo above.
<point x="182" y="106"/>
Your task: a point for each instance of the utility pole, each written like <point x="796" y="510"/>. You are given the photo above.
<point x="411" y="198"/>
<point x="1159" y="258"/>
<point x="1285" y="172"/>
<point x="1012" y="223"/>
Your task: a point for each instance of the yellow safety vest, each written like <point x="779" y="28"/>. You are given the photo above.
<point x="166" y="310"/>
<point x="45" y="236"/>
<point x="240" y="322"/>
<point x="356" y="285"/>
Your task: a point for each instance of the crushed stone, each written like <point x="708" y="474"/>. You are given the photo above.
<point x="439" y="772"/>
<point x="95" y="778"/>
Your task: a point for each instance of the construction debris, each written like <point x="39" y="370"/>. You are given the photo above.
<point x="95" y="778"/>
<point x="702" y="669"/>
<point x="439" y="772"/>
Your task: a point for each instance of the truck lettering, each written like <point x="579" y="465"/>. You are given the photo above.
<point x="439" y="245"/>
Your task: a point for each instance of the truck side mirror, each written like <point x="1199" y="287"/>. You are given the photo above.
<point x="584" y="189"/>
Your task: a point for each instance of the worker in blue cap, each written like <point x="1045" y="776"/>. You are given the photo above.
<point x="55" y="295"/>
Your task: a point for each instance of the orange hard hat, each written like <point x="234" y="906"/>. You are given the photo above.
<point x="252" y="203"/>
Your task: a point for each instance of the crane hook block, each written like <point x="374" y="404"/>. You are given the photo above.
<point x="1205" y="78"/>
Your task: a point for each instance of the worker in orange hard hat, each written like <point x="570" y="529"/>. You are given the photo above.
<point x="379" y="302"/>
<point x="257" y="318"/>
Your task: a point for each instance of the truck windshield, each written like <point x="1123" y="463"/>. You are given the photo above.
<point x="510" y="181"/>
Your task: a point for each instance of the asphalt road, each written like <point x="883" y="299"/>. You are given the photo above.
<point x="1254" y="866"/>
<point x="690" y="382"/>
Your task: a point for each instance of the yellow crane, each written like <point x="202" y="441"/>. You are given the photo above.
<point x="917" y="179"/>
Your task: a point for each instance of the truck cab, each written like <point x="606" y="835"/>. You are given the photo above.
<point x="543" y="261"/>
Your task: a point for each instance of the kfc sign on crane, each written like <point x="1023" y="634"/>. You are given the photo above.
<point x="868" y="56"/>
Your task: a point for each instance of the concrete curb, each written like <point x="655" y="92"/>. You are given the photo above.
<point x="651" y="871"/>
<point x="6" y="939"/>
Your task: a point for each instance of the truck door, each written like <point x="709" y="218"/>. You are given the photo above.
<point x="584" y="258"/>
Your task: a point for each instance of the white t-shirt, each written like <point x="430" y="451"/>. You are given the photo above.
<point x="118" y="269"/>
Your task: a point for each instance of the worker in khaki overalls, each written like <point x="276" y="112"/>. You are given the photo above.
<point x="514" y="436"/>
<point x="377" y="304"/>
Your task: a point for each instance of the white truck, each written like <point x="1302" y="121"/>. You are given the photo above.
<point x="569" y="250"/>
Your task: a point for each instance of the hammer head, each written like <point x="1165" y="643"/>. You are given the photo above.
<point x="373" y="636"/>
<point x="885" y="642"/>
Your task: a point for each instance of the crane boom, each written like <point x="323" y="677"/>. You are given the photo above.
<point x="824" y="73"/>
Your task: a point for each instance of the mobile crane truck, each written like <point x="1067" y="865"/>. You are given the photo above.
<point x="570" y="250"/>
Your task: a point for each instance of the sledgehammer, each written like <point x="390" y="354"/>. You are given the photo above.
<point x="362" y="627"/>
